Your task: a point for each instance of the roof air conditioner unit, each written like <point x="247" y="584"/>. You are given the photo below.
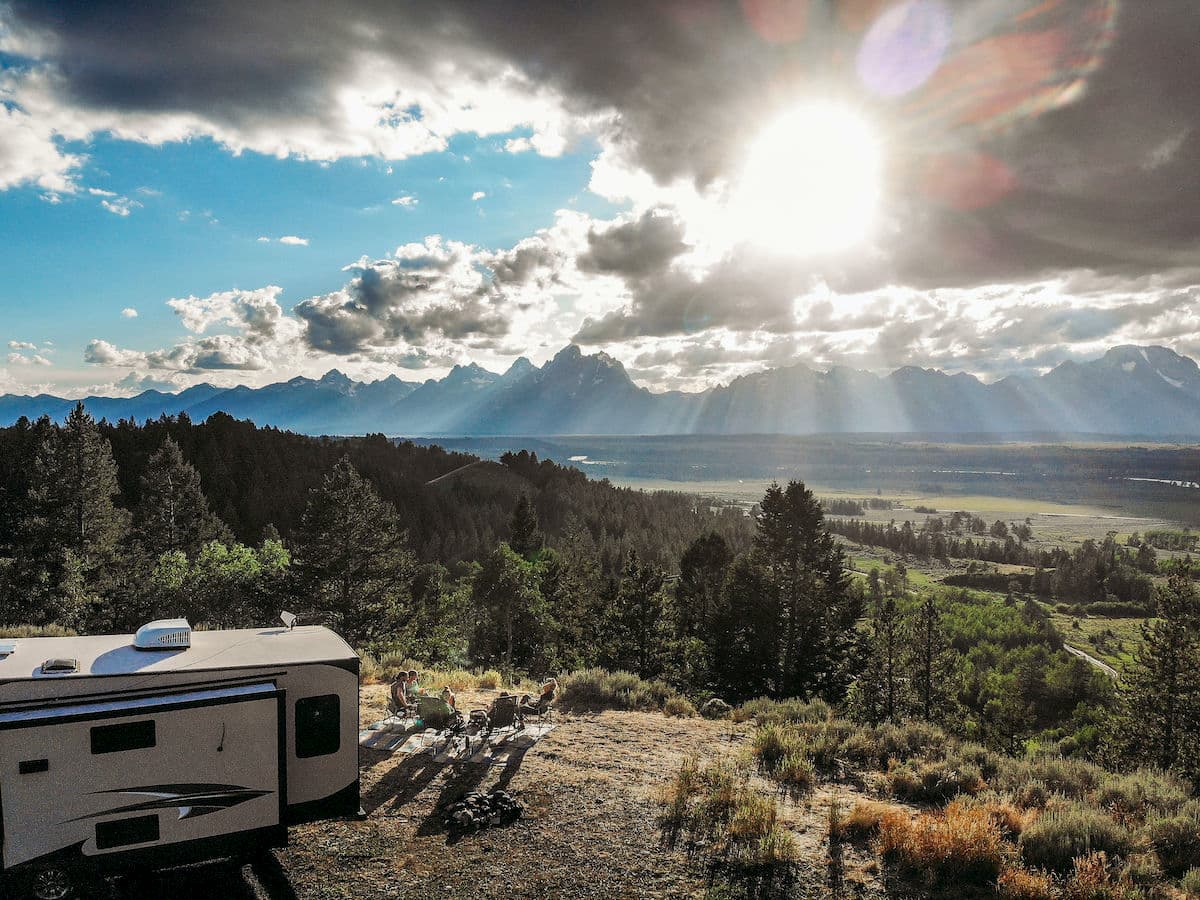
<point x="164" y="634"/>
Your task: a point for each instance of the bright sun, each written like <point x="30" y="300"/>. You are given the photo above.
<point x="811" y="181"/>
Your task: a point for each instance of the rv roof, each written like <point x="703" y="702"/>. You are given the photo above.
<point x="114" y="654"/>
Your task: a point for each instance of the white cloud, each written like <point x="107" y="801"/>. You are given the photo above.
<point x="121" y="206"/>
<point x="22" y="345"/>
<point x="478" y="195"/>
<point x="294" y="241"/>
<point x="16" y="359"/>
<point x="129" y="312"/>
<point x="263" y="239"/>
<point x="406" y="201"/>
<point x="100" y="192"/>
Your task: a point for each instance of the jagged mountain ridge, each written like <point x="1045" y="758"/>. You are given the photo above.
<point x="1143" y="391"/>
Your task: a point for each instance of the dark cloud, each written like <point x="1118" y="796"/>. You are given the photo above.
<point x="746" y="291"/>
<point x="635" y="249"/>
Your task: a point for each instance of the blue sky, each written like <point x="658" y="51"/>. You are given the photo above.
<point x="700" y="190"/>
<point x="72" y="266"/>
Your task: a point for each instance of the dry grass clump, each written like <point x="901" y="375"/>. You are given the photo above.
<point x="958" y="845"/>
<point x="716" y="806"/>
<point x="864" y="819"/>
<point x="1094" y="878"/>
<point x="765" y="711"/>
<point x="1003" y="813"/>
<point x="1190" y="883"/>
<point x="489" y="680"/>
<point x="679" y="707"/>
<point x="598" y="689"/>
<point x="1070" y="829"/>
<point x="1016" y="883"/>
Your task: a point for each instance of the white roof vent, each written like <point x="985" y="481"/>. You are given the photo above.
<point x="164" y="634"/>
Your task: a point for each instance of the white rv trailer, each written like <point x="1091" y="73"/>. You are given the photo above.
<point x="123" y="751"/>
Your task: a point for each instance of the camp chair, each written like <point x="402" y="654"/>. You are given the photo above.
<point x="541" y="709"/>
<point x="505" y="712"/>
<point x="437" y="713"/>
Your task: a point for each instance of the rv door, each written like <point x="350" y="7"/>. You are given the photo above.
<point x="182" y="774"/>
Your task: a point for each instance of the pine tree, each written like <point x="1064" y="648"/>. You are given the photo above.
<point x="746" y="637"/>
<point x="509" y="626"/>
<point x="172" y="512"/>
<point x="804" y="566"/>
<point x="68" y="543"/>
<point x="878" y="693"/>
<point x="929" y="660"/>
<point x="702" y="573"/>
<point x="351" y="561"/>
<point x="525" y="538"/>
<point x="73" y="493"/>
<point x="638" y="631"/>
<point x="1161" y="694"/>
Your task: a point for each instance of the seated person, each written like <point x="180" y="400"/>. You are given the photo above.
<point x="396" y="691"/>
<point x="411" y="689"/>
<point x="545" y="700"/>
<point x="448" y="696"/>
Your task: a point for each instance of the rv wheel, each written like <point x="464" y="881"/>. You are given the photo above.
<point x="50" y="884"/>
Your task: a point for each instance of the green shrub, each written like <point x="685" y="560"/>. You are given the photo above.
<point x="1191" y="882"/>
<point x="765" y="711"/>
<point x="598" y="689"/>
<point x="32" y="631"/>
<point x="1072" y="778"/>
<point x="1176" y="840"/>
<point x="1137" y="795"/>
<point x="369" y="670"/>
<point x="1067" y="830"/>
<point x="796" y="771"/>
<point x="771" y="743"/>
<point x="935" y="782"/>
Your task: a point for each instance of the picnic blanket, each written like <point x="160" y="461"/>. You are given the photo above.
<point x="394" y="737"/>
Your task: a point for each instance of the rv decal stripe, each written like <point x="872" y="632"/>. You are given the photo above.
<point x="192" y="800"/>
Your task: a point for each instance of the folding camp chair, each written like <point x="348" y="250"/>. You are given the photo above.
<point x="505" y="712"/>
<point x="436" y="713"/>
<point x="541" y="709"/>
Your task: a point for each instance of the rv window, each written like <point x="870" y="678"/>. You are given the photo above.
<point x="122" y="832"/>
<point x="318" y="726"/>
<point x="127" y="736"/>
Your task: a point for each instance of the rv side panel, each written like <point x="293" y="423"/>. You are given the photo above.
<point x="116" y="776"/>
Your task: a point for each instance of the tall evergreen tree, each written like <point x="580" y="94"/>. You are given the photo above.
<point x="1161" y="694"/>
<point x="929" y="661"/>
<point x="804" y="568"/>
<point x="702" y="573"/>
<point x="351" y="561"/>
<point x="509" y="627"/>
<point x="879" y="692"/>
<point x="525" y="538"/>
<point x="638" y="630"/>
<point x="172" y="513"/>
<point x="745" y="635"/>
<point x="73" y="494"/>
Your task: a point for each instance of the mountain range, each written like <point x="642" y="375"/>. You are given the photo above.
<point x="1130" y="391"/>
